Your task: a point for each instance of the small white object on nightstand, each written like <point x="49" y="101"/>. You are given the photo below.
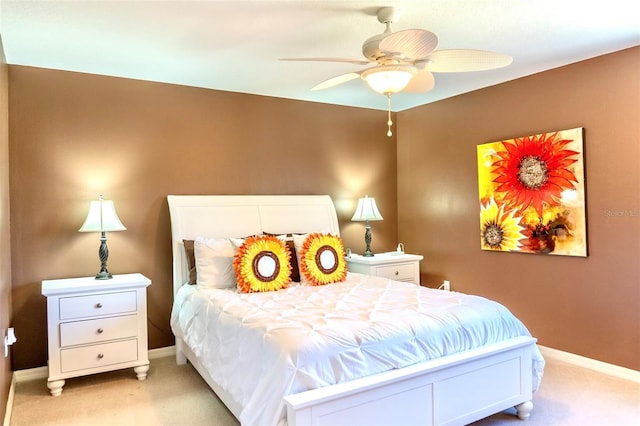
<point x="96" y="326"/>
<point x="393" y="265"/>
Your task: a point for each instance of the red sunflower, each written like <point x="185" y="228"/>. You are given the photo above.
<point x="534" y="170"/>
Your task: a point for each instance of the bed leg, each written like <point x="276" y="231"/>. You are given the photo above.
<point x="181" y="359"/>
<point x="524" y="410"/>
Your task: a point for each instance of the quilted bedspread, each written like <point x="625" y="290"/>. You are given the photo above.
<point x="260" y="347"/>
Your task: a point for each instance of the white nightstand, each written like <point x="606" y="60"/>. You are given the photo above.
<point x="392" y="265"/>
<point x="96" y="326"/>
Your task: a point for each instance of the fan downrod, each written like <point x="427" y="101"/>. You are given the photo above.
<point x="371" y="46"/>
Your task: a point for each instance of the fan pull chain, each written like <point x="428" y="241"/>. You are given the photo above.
<point x="389" y="122"/>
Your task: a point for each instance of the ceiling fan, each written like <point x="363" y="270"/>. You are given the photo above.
<point x="405" y="60"/>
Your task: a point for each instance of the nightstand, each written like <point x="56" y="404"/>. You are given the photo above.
<point x="392" y="265"/>
<point x="96" y="326"/>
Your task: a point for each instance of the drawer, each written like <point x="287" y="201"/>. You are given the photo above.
<point x="96" y="356"/>
<point x="97" y="304"/>
<point x="399" y="272"/>
<point x="98" y="330"/>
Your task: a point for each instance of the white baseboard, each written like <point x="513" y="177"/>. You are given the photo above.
<point x="43" y="372"/>
<point x="12" y="391"/>
<point x="162" y="352"/>
<point x="30" y="374"/>
<point x="591" y="364"/>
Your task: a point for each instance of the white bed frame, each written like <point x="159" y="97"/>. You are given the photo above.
<point x="453" y="390"/>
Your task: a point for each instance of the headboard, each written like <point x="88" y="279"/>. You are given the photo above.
<point x="238" y="216"/>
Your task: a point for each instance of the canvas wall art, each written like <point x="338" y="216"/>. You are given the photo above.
<point x="532" y="194"/>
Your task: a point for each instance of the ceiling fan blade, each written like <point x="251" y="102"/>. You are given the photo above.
<point x="464" y="60"/>
<point x="422" y="82"/>
<point x="345" y="60"/>
<point x="334" y="81"/>
<point x="413" y="44"/>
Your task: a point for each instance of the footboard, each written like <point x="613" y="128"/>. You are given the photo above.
<point x="454" y="390"/>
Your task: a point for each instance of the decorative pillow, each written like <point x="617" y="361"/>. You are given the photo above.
<point x="191" y="260"/>
<point x="295" y="270"/>
<point x="262" y="263"/>
<point x="214" y="262"/>
<point x="322" y="259"/>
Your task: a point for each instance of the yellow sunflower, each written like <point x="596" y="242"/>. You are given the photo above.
<point x="322" y="259"/>
<point x="499" y="230"/>
<point x="262" y="263"/>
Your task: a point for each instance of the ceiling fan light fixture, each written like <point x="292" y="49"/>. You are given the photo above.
<point x="389" y="79"/>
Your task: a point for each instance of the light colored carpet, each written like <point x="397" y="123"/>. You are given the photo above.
<point x="575" y="396"/>
<point x="176" y="395"/>
<point x="172" y="395"/>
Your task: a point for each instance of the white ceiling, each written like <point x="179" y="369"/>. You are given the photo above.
<point x="235" y="45"/>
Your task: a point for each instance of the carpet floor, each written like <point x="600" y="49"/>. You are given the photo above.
<point x="176" y="395"/>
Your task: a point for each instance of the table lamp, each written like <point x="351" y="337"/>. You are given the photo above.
<point x="365" y="212"/>
<point x="102" y="218"/>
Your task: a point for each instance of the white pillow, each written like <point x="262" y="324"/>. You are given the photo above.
<point x="214" y="262"/>
<point x="298" y="242"/>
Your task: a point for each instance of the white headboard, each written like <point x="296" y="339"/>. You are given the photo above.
<point x="238" y="216"/>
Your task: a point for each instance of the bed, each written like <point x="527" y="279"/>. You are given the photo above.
<point x="266" y="376"/>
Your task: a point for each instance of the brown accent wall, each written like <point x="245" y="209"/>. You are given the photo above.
<point x="5" y="246"/>
<point x="74" y="136"/>
<point x="588" y="306"/>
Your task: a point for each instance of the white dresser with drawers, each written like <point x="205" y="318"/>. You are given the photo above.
<point x="96" y="326"/>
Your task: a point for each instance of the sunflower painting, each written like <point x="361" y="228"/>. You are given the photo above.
<point x="532" y="196"/>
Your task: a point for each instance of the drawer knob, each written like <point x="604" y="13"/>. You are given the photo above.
<point x="397" y="273"/>
<point x="100" y="356"/>
<point x="98" y="305"/>
<point x="100" y="331"/>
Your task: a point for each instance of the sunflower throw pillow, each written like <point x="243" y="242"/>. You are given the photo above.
<point x="322" y="259"/>
<point x="262" y="263"/>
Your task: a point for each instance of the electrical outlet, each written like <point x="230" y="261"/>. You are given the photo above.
<point x="9" y="339"/>
<point x="446" y="285"/>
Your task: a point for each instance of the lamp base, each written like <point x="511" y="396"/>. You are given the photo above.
<point x="104" y="275"/>
<point x="103" y="254"/>
<point x="367" y="240"/>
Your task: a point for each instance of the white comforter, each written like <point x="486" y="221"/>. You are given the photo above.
<point x="260" y="347"/>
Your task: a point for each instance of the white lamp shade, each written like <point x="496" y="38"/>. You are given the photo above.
<point x="388" y="79"/>
<point x="102" y="217"/>
<point x="367" y="210"/>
